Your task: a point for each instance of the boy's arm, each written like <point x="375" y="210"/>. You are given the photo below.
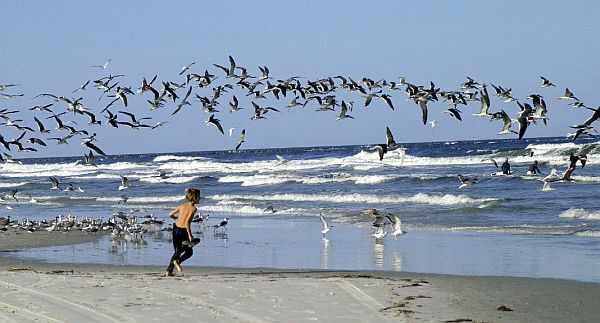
<point x="172" y="213"/>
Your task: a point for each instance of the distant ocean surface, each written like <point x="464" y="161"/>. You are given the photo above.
<point x="503" y="225"/>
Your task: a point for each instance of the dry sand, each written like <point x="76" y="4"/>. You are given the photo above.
<point x="31" y="291"/>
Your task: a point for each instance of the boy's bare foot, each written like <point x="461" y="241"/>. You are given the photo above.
<point x="169" y="274"/>
<point x="177" y="266"/>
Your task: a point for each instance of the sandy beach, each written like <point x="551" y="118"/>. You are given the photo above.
<point x="33" y="291"/>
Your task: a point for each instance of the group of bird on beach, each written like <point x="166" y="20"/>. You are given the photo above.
<point x="107" y="102"/>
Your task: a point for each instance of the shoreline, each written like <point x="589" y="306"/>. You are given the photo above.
<point x="127" y="292"/>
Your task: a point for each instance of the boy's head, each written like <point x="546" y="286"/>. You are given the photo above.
<point x="192" y="194"/>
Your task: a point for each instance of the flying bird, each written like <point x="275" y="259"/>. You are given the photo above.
<point x="215" y="122"/>
<point x="124" y="183"/>
<point x="396" y="225"/>
<point x="466" y="181"/>
<point x="93" y="147"/>
<point x="241" y="139"/>
<point x="326" y="227"/>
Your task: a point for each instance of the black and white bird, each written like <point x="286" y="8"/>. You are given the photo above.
<point x="54" y="183"/>
<point x="241" y="139"/>
<point x="221" y="224"/>
<point x="546" y="82"/>
<point x="215" y="122"/>
<point x="466" y="181"/>
<point x="124" y="183"/>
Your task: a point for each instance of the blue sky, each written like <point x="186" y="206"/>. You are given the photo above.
<point x="51" y="46"/>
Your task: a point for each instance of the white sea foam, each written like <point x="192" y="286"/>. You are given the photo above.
<point x="589" y="233"/>
<point x="421" y="198"/>
<point x="586" y="179"/>
<point x="520" y="228"/>
<point x="251" y="209"/>
<point x="172" y="180"/>
<point x="8" y="185"/>
<point x="575" y="213"/>
<point x="143" y="199"/>
<point x="274" y="179"/>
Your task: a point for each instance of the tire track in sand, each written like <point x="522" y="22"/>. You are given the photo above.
<point x="66" y="305"/>
<point x="358" y="294"/>
<point x="215" y="309"/>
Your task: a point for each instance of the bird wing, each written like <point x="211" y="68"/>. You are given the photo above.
<point x="323" y="222"/>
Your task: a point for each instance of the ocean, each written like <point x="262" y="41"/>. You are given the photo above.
<point x="502" y="225"/>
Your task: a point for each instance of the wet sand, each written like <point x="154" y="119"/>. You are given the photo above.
<point x="33" y="291"/>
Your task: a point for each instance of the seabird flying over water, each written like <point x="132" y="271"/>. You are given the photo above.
<point x="379" y="233"/>
<point x="396" y="225"/>
<point x="281" y="160"/>
<point x="506" y="122"/>
<point x="492" y="160"/>
<point x="54" y="182"/>
<point x="124" y="183"/>
<point x="241" y="139"/>
<point x="454" y="112"/>
<point x="485" y="103"/>
<point x="93" y="147"/>
<point x="215" y="122"/>
<point x="466" y="181"/>
<point x="326" y="227"/>
<point x="381" y="150"/>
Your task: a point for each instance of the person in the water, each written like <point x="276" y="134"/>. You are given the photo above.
<point x="506" y="167"/>
<point x="533" y="169"/>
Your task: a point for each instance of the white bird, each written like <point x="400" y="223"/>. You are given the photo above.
<point x="552" y="177"/>
<point x="326" y="227"/>
<point x="433" y="123"/>
<point x="104" y="66"/>
<point x="124" y="183"/>
<point x="396" y="225"/>
<point x="379" y="233"/>
<point x="281" y="160"/>
<point x="231" y="131"/>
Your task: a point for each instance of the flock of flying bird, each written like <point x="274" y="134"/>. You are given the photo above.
<point x="207" y="91"/>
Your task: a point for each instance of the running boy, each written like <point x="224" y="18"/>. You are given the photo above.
<point x="183" y="215"/>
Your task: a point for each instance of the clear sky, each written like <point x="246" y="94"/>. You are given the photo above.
<point x="50" y="46"/>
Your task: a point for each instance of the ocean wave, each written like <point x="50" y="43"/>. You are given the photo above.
<point x="521" y="229"/>
<point x="143" y="199"/>
<point x="563" y="149"/>
<point x="588" y="233"/>
<point x="123" y="166"/>
<point x="586" y="179"/>
<point x="9" y="185"/>
<point x="250" y="209"/>
<point x="176" y="158"/>
<point x="420" y="198"/>
<point x="274" y="179"/>
<point x="171" y="180"/>
<point x="575" y="213"/>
